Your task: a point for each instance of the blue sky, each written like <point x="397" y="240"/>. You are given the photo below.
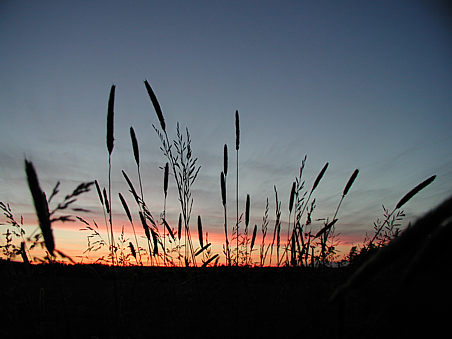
<point x="359" y="84"/>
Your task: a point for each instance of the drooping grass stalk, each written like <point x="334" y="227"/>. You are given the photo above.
<point x="129" y="216"/>
<point x="402" y="202"/>
<point x="110" y="144"/>
<point x="237" y="146"/>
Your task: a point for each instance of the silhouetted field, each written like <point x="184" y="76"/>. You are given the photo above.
<point x="397" y="284"/>
<point x="56" y="301"/>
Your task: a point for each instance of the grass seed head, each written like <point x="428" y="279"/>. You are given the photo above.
<point x="41" y="206"/>
<point x="225" y="159"/>
<point x="350" y="182"/>
<point x="156" y="104"/>
<point x="237" y="131"/>
<point x="247" y="210"/>
<point x="414" y="191"/>
<point x="136" y="152"/>
<point x="132" y="250"/>
<point x="319" y="177"/>
<point x="107" y="205"/>
<point x="145" y="226"/>
<point x="170" y="231"/>
<point x="126" y="208"/>
<point x="223" y="188"/>
<point x="253" y="239"/>
<point x="165" y="179"/>
<point x="99" y="193"/>
<point x="291" y="199"/>
<point x="179" y="227"/>
<point x="110" y="117"/>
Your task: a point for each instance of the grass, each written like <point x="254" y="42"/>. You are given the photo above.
<point x="299" y="248"/>
<point x="223" y="300"/>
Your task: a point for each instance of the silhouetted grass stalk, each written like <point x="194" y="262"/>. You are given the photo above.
<point x="237" y="146"/>
<point x="110" y="144"/>
<point x="402" y="202"/>
<point x="165" y="192"/>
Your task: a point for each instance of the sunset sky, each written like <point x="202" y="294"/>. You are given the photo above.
<point x="358" y="84"/>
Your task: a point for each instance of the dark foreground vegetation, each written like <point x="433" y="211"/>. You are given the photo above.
<point x="77" y="301"/>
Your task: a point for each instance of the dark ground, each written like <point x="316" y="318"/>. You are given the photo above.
<point x="56" y="301"/>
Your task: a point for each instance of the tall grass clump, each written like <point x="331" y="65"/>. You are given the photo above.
<point x="184" y="167"/>
<point x="46" y="216"/>
<point x="328" y="228"/>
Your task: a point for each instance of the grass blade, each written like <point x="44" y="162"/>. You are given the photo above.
<point x="225" y="159"/>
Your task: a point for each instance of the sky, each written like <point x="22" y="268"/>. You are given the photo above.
<point x="357" y="84"/>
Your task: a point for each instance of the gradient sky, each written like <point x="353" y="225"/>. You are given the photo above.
<point x="360" y="84"/>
